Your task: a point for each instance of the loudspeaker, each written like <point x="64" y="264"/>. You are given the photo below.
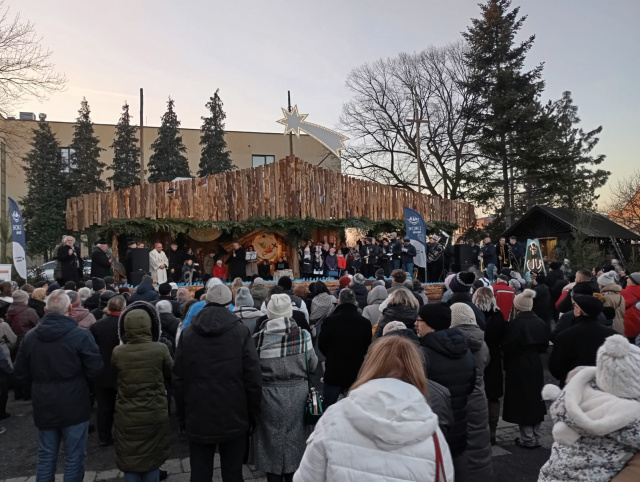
<point x="140" y="260"/>
<point x="462" y="253"/>
<point x="136" y="278"/>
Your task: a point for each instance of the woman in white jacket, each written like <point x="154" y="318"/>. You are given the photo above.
<point x="384" y="430"/>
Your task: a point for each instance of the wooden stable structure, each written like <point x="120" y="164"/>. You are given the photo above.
<point x="289" y="188"/>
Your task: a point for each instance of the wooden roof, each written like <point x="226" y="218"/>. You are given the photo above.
<point x="289" y="188"/>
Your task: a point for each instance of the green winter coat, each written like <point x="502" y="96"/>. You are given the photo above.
<point x="142" y="364"/>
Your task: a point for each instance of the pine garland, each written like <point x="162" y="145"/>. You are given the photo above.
<point x="294" y="229"/>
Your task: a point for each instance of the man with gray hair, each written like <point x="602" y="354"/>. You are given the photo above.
<point x="60" y="390"/>
<point x="344" y="340"/>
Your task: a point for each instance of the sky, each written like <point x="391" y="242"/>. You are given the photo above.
<point x="254" y="51"/>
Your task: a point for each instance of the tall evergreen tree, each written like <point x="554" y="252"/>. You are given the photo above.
<point x="570" y="181"/>
<point x="507" y="113"/>
<point x="86" y="174"/>
<point x="168" y="160"/>
<point x="44" y="205"/>
<point x="126" y="153"/>
<point x="214" y="157"/>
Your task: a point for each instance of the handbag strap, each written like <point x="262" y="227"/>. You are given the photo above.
<point x="306" y="360"/>
<point x="439" y="461"/>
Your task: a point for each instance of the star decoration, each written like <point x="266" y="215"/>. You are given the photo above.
<point x="292" y="121"/>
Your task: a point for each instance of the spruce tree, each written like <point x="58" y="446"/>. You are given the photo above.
<point x="507" y="112"/>
<point x="126" y="153"/>
<point x="569" y="180"/>
<point x="43" y="207"/>
<point x="168" y="160"/>
<point x="86" y="175"/>
<point x="214" y="157"/>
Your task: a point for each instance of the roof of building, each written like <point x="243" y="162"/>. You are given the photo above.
<point x="541" y="221"/>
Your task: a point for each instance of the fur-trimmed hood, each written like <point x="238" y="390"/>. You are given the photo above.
<point x="583" y="409"/>
<point x="156" y="325"/>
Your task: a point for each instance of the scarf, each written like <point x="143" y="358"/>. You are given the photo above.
<point x="282" y="337"/>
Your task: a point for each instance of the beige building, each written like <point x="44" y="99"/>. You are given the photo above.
<point x="247" y="149"/>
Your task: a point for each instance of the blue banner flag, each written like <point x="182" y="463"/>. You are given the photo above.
<point x="417" y="234"/>
<point x="17" y="236"/>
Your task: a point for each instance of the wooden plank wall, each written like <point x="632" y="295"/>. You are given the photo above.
<point x="289" y="188"/>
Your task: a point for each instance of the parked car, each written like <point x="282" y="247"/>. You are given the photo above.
<point x="49" y="266"/>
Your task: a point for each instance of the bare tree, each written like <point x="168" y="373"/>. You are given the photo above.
<point x="624" y="203"/>
<point x="26" y="70"/>
<point x="383" y="142"/>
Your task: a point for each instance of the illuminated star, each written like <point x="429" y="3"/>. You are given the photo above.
<point x="292" y="121"/>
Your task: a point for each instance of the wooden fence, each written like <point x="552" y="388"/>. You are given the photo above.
<point x="289" y="188"/>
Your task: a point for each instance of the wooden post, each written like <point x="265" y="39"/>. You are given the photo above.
<point x="141" y="137"/>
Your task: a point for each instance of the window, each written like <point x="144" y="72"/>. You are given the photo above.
<point x="260" y="160"/>
<point x="68" y="163"/>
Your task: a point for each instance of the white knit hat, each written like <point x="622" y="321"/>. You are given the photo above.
<point x="608" y="278"/>
<point x="393" y="326"/>
<point x="219" y="294"/>
<point x="524" y="301"/>
<point x="462" y="314"/>
<point x="279" y="307"/>
<point x="618" y="368"/>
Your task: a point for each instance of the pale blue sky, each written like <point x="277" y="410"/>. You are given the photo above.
<point x="254" y="51"/>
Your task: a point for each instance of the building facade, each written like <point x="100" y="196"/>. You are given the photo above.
<point x="247" y="149"/>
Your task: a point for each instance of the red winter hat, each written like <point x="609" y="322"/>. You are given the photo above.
<point x="344" y="281"/>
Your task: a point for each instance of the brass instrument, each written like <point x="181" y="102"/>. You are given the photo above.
<point x="503" y="257"/>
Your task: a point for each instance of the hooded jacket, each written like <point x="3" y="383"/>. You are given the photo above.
<point x="614" y="299"/>
<point x="217" y="379"/>
<point x="405" y="313"/>
<point x="21" y="318"/>
<point x="145" y="292"/>
<point x="451" y="364"/>
<point x="83" y="316"/>
<point x="595" y="433"/>
<point x="142" y="365"/>
<point x="374" y="299"/>
<point x="478" y="436"/>
<point x="60" y="390"/>
<point x="384" y="430"/>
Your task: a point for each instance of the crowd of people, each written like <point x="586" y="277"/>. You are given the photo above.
<point x="412" y="389"/>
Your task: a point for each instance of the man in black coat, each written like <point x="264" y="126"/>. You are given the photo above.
<point x="344" y="340"/>
<point x="578" y="345"/>
<point x="542" y="305"/>
<point x="396" y="252"/>
<point x="451" y="364"/>
<point x="516" y="253"/>
<point x="128" y="258"/>
<point x="60" y="391"/>
<point x="237" y="262"/>
<point x="176" y="260"/>
<point x="369" y="256"/>
<point x="105" y="333"/>
<point x="99" y="286"/>
<point x="360" y="290"/>
<point x="217" y="382"/>
<point x="489" y="258"/>
<point x="100" y="262"/>
<point x="164" y="292"/>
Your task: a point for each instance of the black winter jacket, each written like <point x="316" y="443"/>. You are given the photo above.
<point x="144" y="292"/>
<point x="408" y="253"/>
<point x="451" y="364"/>
<point x="493" y="336"/>
<point x="58" y="358"/>
<point x="361" y="293"/>
<point x="100" y="264"/>
<point x="577" y="346"/>
<point x="217" y="379"/>
<point x="170" y="325"/>
<point x="404" y="313"/>
<point x="38" y="306"/>
<point x="93" y="301"/>
<point x="569" y="319"/>
<point x="176" y="306"/>
<point x="105" y="333"/>
<point x="344" y="340"/>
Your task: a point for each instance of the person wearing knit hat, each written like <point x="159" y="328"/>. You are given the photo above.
<point x="20" y="297"/>
<point x="525" y="339"/>
<point x="52" y="287"/>
<point x="218" y="295"/>
<point x="612" y="292"/>
<point x="461" y="286"/>
<point x="393" y="326"/>
<point x="343" y="283"/>
<point x="596" y="417"/>
<point x="244" y="308"/>
<point x="279" y="307"/>
<point x="462" y="282"/>
<point x="451" y="365"/>
<point x="578" y="344"/>
<point x="478" y="441"/>
<point x="606" y="279"/>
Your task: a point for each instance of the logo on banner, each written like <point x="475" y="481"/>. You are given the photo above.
<point x="16" y="216"/>
<point x="413" y="220"/>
